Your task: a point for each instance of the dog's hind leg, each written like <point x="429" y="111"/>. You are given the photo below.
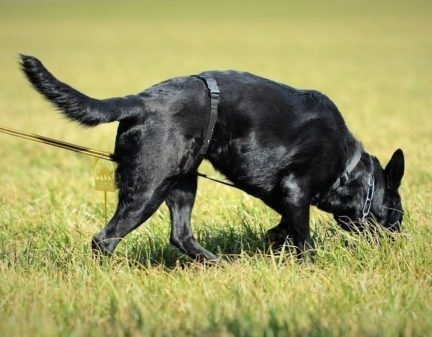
<point x="134" y="208"/>
<point x="180" y="201"/>
<point x="147" y="165"/>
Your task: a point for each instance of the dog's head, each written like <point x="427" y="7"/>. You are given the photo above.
<point x="388" y="210"/>
<point x="373" y="197"/>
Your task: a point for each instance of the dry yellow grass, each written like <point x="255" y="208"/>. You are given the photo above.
<point x="373" y="59"/>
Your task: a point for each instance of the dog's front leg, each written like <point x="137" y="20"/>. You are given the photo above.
<point x="298" y="227"/>
<point x="296" y="202"/>
<point x="279" y="235"/>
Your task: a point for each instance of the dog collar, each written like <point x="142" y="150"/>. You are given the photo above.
<point x="369" y="196"/>
<point x="349" y="168"/>
<point x="214" y="91"/>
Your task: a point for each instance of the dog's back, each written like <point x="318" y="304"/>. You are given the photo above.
<point x="266" y="129"/>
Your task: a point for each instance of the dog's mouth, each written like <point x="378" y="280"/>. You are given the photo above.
<point x="359" y="225"/>
<point x="394" y="218"/>
<point x="394" y="227"/>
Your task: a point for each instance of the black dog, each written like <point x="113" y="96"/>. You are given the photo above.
<point x="288" y="147"/>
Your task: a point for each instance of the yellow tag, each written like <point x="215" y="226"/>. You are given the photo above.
<point x="104" y="176"/>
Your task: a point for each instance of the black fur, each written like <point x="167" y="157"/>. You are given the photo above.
<point x="284" y="146"/>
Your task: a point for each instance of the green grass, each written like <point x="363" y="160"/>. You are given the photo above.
<point x="372" y="58"/>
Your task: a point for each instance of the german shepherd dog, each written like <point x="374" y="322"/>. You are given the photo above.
<point x="288" y="147"/>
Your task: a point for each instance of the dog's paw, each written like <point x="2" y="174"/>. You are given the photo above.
<point x="102" y="246"/>
<point x="276" y="237"/>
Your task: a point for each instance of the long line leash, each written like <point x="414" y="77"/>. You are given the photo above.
<point x="81" y="149"/>
<point x="58" y="143"/>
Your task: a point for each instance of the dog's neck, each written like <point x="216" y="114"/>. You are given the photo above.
<point x="349" y="198"/>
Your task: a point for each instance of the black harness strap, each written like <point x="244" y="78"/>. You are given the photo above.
<point x="214" y="106"/>
<point x="214" y="91"/>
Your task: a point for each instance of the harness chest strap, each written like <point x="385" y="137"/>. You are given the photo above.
<point x="214" y="91"/>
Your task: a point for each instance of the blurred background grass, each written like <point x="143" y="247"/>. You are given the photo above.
<point x="372" y="58"/>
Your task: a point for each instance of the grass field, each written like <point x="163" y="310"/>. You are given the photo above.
<point x="374" y="59"/>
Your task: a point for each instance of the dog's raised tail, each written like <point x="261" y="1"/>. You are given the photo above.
<point x="75" y="105"/>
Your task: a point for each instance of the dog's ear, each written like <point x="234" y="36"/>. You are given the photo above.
<point x="394" y="170"/>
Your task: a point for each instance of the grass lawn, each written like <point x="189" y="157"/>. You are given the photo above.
<point x="373" y="59"/>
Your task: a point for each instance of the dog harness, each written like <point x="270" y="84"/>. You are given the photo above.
<point x="214" y="91"/>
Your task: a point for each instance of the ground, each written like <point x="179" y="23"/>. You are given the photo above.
<point x="372" y="58"/>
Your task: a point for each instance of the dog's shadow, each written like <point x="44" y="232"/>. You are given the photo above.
<point x="228" y="244"/>
<point x="235" y="242"/>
